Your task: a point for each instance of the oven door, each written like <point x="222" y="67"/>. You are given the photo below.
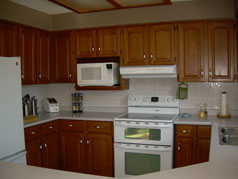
<point x="154" y="133"/>
<point x="137" y="159"/>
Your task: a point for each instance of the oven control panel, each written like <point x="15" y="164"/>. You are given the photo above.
<point x="155" y="101"/>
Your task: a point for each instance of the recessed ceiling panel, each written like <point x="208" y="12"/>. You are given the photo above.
<point x="128" y="3"/>
<point x="87" y="5"/>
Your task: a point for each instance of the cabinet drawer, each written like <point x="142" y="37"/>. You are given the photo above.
<point x="32" y="132"/>
<point x="72" y="125"/>
<point x="204" y="132"/>
<point x="49" y="127"/>
<point x="96" y="126"/>
<point x="183" y="131"/>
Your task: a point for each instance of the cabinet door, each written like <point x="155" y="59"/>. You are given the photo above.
<point x="108" y="42"/>
<point x="34" y="153"/>
<point x="43" y="57"/>
<point x="85" y="43"/>
<point x="99" y="154"/>
<point x="8" y="40"/>
<point x="135" y="46"/>
<point x="28" y="55"/>
<point x="162" y="44"/>
<point x="64" y="57"/>
<point x="191" y="52"/>
<point x="203" y="148"/>
<point x="51" y="156"/>
<point x="221" y="50"/>
<point x="72" y="148"/>
<point x="183" y="152"/>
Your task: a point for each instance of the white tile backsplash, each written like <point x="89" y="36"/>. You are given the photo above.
<point x="197" y="93"/>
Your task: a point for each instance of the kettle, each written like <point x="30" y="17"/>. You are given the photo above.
<point x="29" y="106"/>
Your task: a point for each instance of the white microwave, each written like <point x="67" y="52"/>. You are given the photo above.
<point x="98" y="74"/>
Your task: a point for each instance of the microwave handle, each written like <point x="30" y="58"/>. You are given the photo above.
<point x="142" y="147"/>
<point x="119" y="123"/>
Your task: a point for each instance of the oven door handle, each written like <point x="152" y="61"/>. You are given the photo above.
<point x="143" y="147"/>
<point x="118" y="123"/>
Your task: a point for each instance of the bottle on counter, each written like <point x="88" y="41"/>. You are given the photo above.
<point x="77" y="102"/>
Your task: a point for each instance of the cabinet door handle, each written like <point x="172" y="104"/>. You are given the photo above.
<point x="151" y="55"/>
<point x="33" y="132"/>
<point x="185" y="131"/>
<point x="144" y="56"/>
<point x="88" y="141"/>
<point x="40" y="147"/>
<point x="210" y="73"/>
<point x="202" y="73"/>
<point x="70" y="75"/>
<point x="50" y="127"/>
<point x="70" y="125"/>
<point x="22" y="76"/>
<point x="92" y="49"/>
<point x="98" y="127"/>
<point x="81" y="141"/>
<point x="45" y="145"/>
<point x="40" y="76"/>
<point x="99" y="49"/>
<point x="179" y="148"/>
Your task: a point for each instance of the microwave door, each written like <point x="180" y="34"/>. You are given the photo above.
<point x="90" y="74"/>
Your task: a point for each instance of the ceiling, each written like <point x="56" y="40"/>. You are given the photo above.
<point x="85" y="6"/>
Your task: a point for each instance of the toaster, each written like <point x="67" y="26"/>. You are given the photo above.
<point x="51" y="105"/>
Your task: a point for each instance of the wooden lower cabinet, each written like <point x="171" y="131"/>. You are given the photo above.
<point x="86" y="146"/>
<point x="99" y="154"/>
<point x="192" y="144"/>
<point x="72" y="148"/>
<point x="42" y="145"/>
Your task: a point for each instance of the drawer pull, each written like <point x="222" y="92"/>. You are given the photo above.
<point x="185" y="131"/>
<point x="98" y="127"/>
<point x="50" y="127"/>
<point x="33" y="132"/>
<point x="70" y="125"/>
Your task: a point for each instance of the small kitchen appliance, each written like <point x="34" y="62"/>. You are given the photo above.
<point x="51" y="105"/>
<point x="29" y="106"/>
<point x="144" y="136"/>
<point x="98" y="74"/>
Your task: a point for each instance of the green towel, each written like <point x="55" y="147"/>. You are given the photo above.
<point x="182" y="92"/>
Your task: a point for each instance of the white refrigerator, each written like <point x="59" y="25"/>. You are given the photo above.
<point x="12" y="143"/>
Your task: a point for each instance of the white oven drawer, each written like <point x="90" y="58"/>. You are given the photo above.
<point x="153" y="133"/>
<point x="136" y="159"/>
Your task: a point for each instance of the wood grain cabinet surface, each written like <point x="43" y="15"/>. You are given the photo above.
<point x="104" y="42"/>
<point x="27" y="51"/>
<point x="87" y="147"/>
<point x="206" y="51"/>
<point x="192" y="144"/>
<point x="149" y="45"/>
<point x="8" y="40"/>
<point x="42" y="145"/>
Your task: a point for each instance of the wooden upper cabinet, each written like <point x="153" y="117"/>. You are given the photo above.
<point x="64" y="59"/>
<point x="27" y="50"/>
<point x="97" y="43"/>
<point x="221" y="50"/>
<point x="191" y="51"/>
<point x="8" y="40"/>
<point x="108" y="42"/>
<point x="135" y="45"/>
<point x="85" y="43"/>
<point x="43" y="56"/>
<point x="162" y="44"/>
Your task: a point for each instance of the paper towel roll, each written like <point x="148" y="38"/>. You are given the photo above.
<point x="224" y="105"/>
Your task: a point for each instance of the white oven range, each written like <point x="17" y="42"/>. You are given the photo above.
<point x="143" y="138"/>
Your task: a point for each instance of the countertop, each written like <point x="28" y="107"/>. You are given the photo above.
<point x="95" y="116"/>
<point x="223" y="162"/>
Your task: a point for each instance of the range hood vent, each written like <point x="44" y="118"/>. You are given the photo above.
<point x="159" y="71"/>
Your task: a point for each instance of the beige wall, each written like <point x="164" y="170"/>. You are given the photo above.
<point x="23" y="15"/>
<point x="200" y="9"/>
